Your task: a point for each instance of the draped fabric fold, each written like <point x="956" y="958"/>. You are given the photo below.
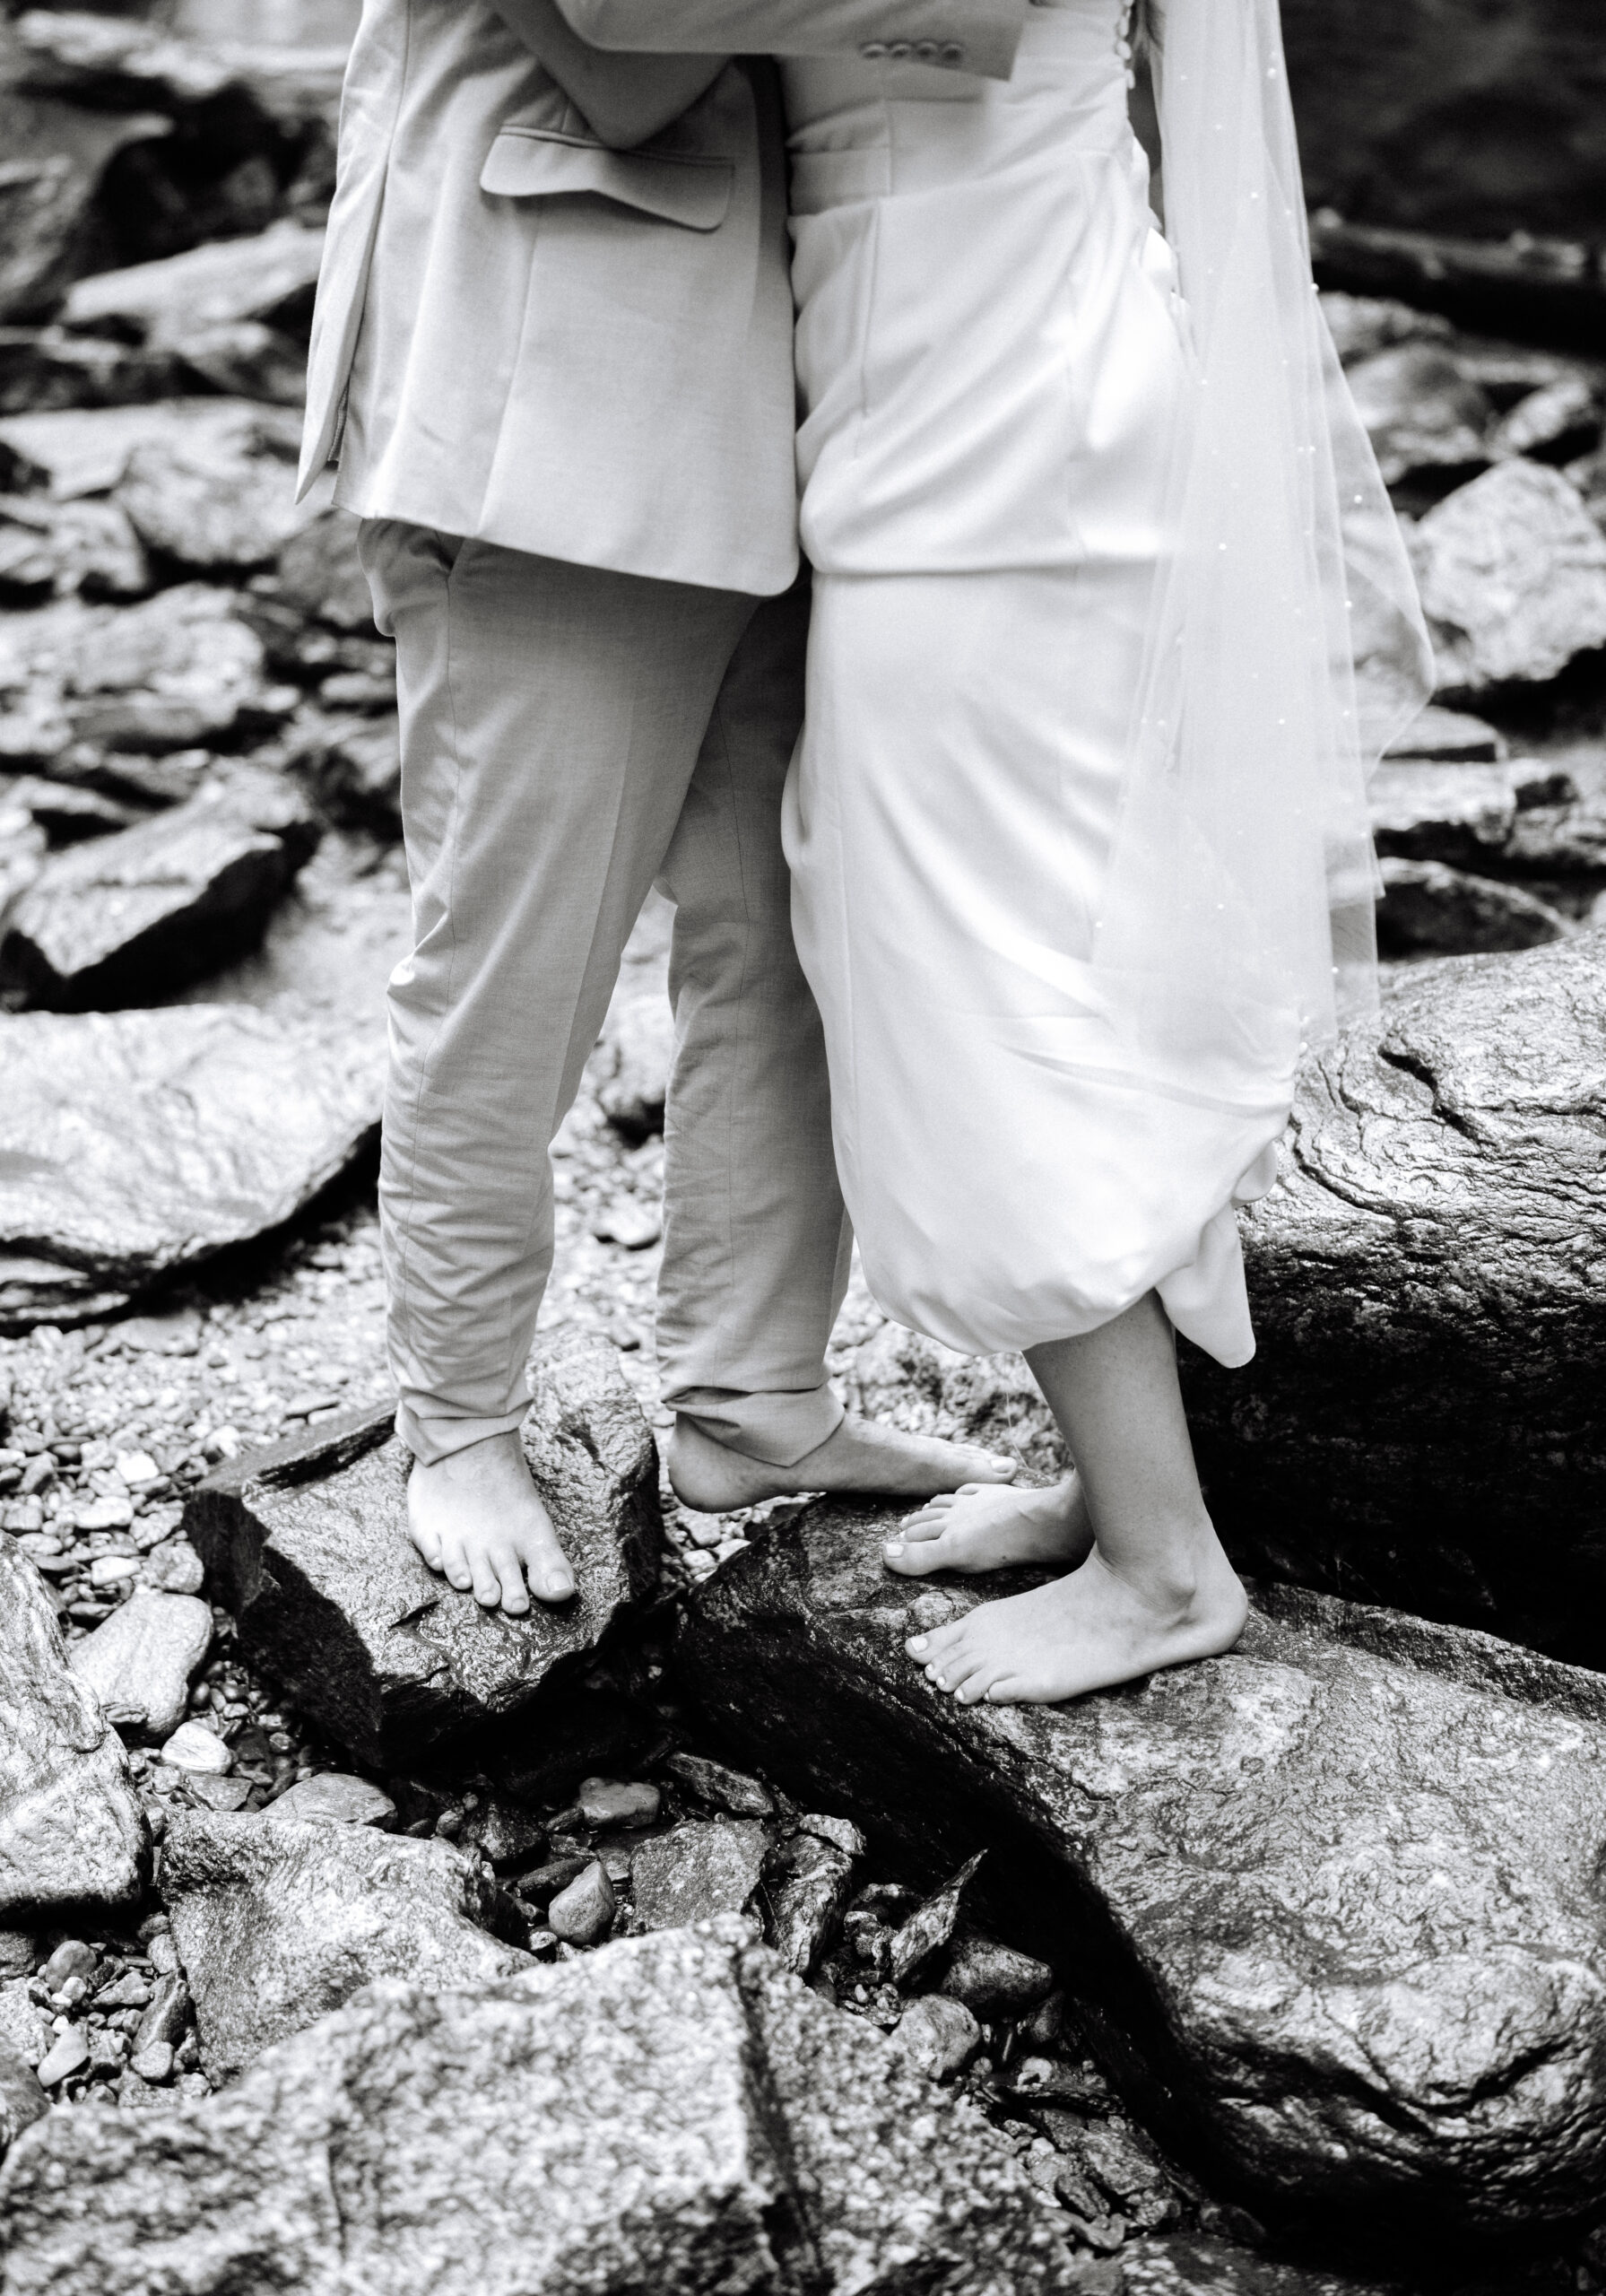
<point x="1238" y="924"/>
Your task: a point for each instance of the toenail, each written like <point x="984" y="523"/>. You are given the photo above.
<point x="894" y="1546"/>
<point x="918" y="1644"/>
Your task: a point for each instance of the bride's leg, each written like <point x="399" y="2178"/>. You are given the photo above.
<point x="1157" y="1589"/>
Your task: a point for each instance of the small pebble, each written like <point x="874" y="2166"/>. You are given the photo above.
<point x="103" y="1514"/>
<point x="112" y="1569"/>
<point x="72" y="1958"/>
<point x="154" y="2063"/>
<point x="334" y="1794"/>
<point x="581" y="1913"/>
<point x="614" y="1802"/>
<point x="940" y="2035"/>
<point x="67" y="2055"/>
<point x="174" y="1568"/>
<point x="136" y="1468"/>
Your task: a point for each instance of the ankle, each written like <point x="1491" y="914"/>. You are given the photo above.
<point x="1170" y="1582"/>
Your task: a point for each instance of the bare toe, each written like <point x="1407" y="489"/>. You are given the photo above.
<point x="502" y="1561"/>
<point x="454" y="1564"/>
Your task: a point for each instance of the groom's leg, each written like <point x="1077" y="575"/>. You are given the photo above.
<point x="757" y="1244"/>
<point x="756" y="1239"/>
<point x="552" y="717"/>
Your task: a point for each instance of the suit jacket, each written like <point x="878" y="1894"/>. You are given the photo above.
<point x="524" y="336"/>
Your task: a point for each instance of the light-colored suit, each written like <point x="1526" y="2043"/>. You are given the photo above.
<point x="559" y="382"/>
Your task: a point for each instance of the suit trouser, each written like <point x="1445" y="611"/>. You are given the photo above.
<point x="568" y="737"/>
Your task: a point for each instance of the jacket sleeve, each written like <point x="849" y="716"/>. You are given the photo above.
<point x="972" y="35"/>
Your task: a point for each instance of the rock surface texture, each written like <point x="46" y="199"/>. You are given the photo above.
<point x="132" y="1143"/>
<point x="307" y="1544"/>
<point x="277" y="1924"/>
<point x="1421" y="1422"/>
<point x="1329" y="1911"/>
<point x="674" y="2113"/>
<point x="140" y="1659"/>
<point x="70" y="1828"/>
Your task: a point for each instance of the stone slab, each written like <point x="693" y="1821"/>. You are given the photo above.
<point x="1329" y="1911"/>
<point x="70" y="1827"/>
<point x="144" y="1655"/>
<point x="672" y="2113"/>
<point x="278" y="1923"/>
<point x="306" y="1545"/>
<point x="132" y="1143"/>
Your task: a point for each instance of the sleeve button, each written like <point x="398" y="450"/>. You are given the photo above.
<point x="873" y="50"/>
<point x="953" y="52"/>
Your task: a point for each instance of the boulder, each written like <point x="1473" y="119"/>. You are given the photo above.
<point x="207" y="502"/>
<point x="88" y="450"/>
<point x="57" y="157"/>
<point x="306" y="1545"/>
<point x="672" y="2113"/>
<point x="277" y="1924"/>
<point x="321" y="575"/>
<point x="1194" y="2264"/>
<point x="52" y="549"/>
<point x="1327" y="1905"/>
<point x="1431" y="909"/>
<point x="182" y="296"/>
<point x="1419" y="410"/>
<point x="1421" y="1423"/>
<point x="1448" y="738"/>
<point x="132" y="1143"/>
<point x="355" y="765"/>
<point x="70" y="1827"/>
<point x="696" y="1871"/>
<point x="1513" y="574"/>
<point x="141" y="1657"/>
<point x="128" y="918"/>
<point x="22" y="2101"/>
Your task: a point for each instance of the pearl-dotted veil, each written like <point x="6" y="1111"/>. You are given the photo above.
<point x="1285" y="648"/>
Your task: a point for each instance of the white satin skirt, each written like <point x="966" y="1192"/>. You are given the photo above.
<point x="989" y="346"/>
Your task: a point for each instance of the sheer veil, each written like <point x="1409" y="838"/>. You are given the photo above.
<point x="1237" y="928"/>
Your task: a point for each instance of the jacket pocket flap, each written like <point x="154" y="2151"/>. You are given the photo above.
<point x="530" y="162"/>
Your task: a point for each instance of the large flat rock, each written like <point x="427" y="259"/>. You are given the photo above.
<point x="673" y="2113"/>
<point x="1422" y="1423"/>
<point x="70" y="1827"/>
<point x="278" y="1920"/>
<point x="132" y="1143"/>
<point x="1329" y="1905"/>
<point x="306" y="1545"/>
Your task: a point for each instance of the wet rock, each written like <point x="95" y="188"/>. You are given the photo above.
<point x="355" y="765"/>
<point x="132" y="1143"/>
<point x="173" y="302"/>
<point x="672" y="2112"/>
<point x="606" y="1801"/>
<point x="809" y="1883"/>
<point x="928" y="1929"/>
<point x="1513" y="574"/>
<point x="993" y="1980"/>
<point x="277" y="1924"/>
<point x="128" y="918"/>
<point x="716" y="1788"/>
<point x="696" y="1871"/>
<point x="1419" y="410"/>
<point x="1421" y="1423"/>
<point x="193" y="1747"/>
<point x="1448" y="738"/>
<point x="88" y="450"/>
<point x="334" y="1794"/>
<point x="57" y="156"/>
<point x="1328" y="1913"/>
<point x="70" y="1828"/>
<point x="142" y="1659"/>
<point x="1430" y="908"/>
<point x="938" y="2035"/>
<point x="58" y="548"/>
<point x="23" y="2098"/>
<point x="69" y="2053"/>
<point x="306" y="1545"/>
<point x="321" y="575"/>
<point x="200" y="501"/>
<point x="583" y="1909"/>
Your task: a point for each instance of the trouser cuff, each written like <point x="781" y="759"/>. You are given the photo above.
<point x="778" y="1428"/>
<point x="431" y="1439"/>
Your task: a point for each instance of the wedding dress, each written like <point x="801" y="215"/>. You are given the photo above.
<point x="1061" y="1044"/>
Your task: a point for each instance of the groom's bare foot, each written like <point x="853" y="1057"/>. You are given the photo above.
<point x="1088" y="1632"/>
<point x="861" y="1455"/>
<point x="981" y="1527"/>
<point x="475" y="1518"/>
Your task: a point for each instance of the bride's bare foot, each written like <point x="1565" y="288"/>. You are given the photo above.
<point x="860" y="1455"/>
<point x="475" y="1518"/>
<point x="981" y="1527"/>
<point x="1089" y="1631"/>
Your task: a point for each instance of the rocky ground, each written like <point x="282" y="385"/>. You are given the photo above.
<point x="1283" y="1972"/>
